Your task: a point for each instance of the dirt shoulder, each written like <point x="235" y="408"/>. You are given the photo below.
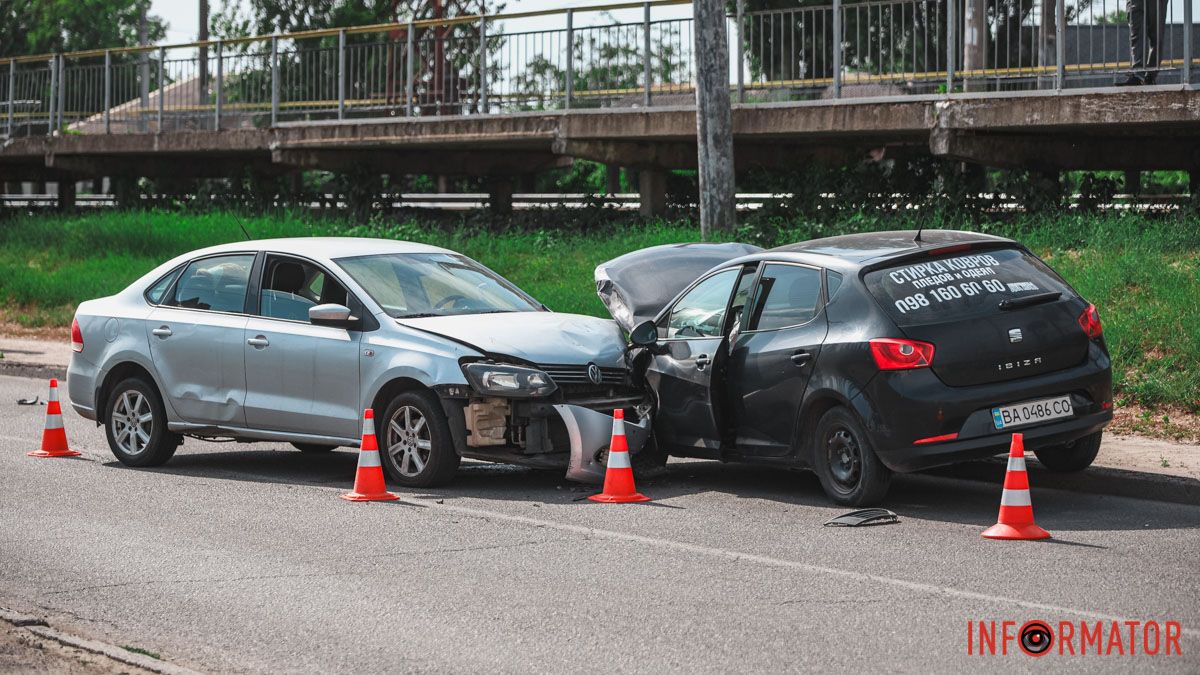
<point x="21" y="651"/>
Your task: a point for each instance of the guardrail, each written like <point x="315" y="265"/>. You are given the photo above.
<point x="588" y="57"/>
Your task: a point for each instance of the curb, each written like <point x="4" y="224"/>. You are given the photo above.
<point x="1097" y="480"/>
<point x="39" y="628"/>
<point x="33" y="370"/>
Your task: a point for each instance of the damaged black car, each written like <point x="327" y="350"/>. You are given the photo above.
<point x="862" y="355"/>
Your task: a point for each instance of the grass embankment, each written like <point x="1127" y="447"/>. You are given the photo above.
<point x="1143" y="273"/>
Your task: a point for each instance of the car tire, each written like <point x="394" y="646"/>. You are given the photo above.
<point x="1074" y="456"/>
<point x="132" y="406"/>
<point x="415" y="453"/>
<point x="313" y="447"/>
<point x="846" y="463"/>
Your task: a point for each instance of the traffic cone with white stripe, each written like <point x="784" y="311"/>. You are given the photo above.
<point x="618" y="477"/>
<point x="368" y="480"/>
<point x="54" y="437"/>
<point x="1016" y="509"/>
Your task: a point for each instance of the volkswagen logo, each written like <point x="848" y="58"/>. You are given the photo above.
<point x="594" y="374"/>
<point x="1015" y="335"/>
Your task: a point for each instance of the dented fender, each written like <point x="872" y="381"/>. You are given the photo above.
<point x="591" y="433"/>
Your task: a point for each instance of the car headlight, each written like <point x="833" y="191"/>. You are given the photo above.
<point x="499" y="379"/>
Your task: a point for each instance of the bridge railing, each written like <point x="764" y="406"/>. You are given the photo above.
<point x="615" y="55"/>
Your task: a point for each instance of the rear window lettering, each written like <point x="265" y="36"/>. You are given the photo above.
<point x="960" y="287"/>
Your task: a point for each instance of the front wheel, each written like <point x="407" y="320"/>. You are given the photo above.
<point x="415" y="442"/>
<point x="849" y="470"/>
<point x="1074" y="456"/>
<point x="136" y="425"/>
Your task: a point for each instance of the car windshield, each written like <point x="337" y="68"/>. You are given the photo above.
<point x="414" y="285"/>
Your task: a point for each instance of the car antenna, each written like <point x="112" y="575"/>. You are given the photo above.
<point x="241" y="226"/>
<point x="919" y="228"/>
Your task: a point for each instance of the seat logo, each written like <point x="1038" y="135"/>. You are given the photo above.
<point x="594" y="374"/>
<point x="1014" y="335"/>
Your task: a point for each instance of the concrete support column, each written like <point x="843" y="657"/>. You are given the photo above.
<point x="443" y="184"/>
<point x="612" y="179"/>
<point x="652" y="187"/>
<point x="975" y="32"/>
<point x="500" y="195"/>
<point x="66" y="195"/>
<point x="1133" y="183"/>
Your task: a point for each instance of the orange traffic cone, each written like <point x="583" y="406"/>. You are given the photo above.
<point x="618" y="478"/>
<point x="368" y="481"/>
<point x="54" y="437"/>
<point x="1016" y="509"/>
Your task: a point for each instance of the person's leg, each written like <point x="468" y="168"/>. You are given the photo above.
<point x="1156" y="13"/>
<point x="1137" y="40"/>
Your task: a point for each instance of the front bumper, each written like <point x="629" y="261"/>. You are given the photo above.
<point x="591" y="433"/>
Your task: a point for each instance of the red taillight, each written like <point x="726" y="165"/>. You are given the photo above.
<point x="896" y="354"/>
<point x="76" y="336"/>
<point x="1089" y="321"/>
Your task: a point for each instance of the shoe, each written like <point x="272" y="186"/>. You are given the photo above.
<point x="1131" y="80"/>
<point x="1149" y="77"/>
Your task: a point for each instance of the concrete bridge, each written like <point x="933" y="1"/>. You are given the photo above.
<point x="497" y="98"/>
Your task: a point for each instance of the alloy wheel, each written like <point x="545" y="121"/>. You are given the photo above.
<point x="133" y="422"/>
<point x="408" y="441"/>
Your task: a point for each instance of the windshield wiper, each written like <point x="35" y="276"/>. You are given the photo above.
<point x="422" y="315"/>
<point x="1029" y="300"/>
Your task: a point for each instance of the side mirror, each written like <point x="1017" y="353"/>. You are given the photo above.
<point x="644" y="334"/>
<point x="331" y="314"/>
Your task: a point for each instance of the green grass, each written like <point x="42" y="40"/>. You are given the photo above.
<point x="1143" y="273"/>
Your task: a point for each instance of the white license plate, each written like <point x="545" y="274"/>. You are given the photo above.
<point x="1031" y="412"/>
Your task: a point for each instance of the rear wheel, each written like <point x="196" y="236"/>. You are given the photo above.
<point x="1074" y="456"/>
<point x="313" y="447"/>
<point x="136" y="424"/>
<point x="849" y="470"/>
<point x="415" y="443"/>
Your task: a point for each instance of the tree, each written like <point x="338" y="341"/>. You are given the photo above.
<point x="43" y="26"/>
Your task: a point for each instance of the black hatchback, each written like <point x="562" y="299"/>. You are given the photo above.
<point x="862" y="355"/>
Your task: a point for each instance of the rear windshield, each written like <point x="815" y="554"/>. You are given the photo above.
<point x="960" y="286"/>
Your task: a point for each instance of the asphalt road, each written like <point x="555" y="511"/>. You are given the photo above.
<point x="242" y="558"/>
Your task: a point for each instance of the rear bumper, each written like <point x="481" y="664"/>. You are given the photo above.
<point x="83" y="379"/>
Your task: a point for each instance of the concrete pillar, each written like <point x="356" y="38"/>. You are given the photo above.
<point x="975" y="34"/>
<point x="714" y="119"/>
<point x="443" y="184"/>
<point x="1133" y="183"/>
<point x="652" y="187"/>
<point x="500" y="194"/>
<point x="66" y="195"/>
<point x="1194" y="182"/>
<point x="612" y="179"/>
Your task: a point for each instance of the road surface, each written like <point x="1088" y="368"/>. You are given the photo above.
<point x="242" y="558"/>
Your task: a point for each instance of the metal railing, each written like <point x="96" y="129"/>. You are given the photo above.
<point x="630" y="54"/>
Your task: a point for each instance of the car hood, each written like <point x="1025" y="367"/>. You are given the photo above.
<point x="636" y="286"/>
<point x="536" y="337"/>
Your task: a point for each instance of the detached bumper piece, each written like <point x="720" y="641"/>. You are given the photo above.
<point x="590" y="433"/>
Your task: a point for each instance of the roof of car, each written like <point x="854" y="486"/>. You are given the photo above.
<point x="872" y="246"/>
<point x="324" y="247"/>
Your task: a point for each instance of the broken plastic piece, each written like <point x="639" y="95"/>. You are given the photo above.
<point x="864" y="517"/>
<point x="36" y="400"/>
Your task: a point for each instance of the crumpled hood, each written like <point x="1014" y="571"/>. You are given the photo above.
<point x="537" y="337"/>
<point x="635" y="286"/>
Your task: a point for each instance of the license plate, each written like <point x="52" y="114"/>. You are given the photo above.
<point x="1032" y="412"/>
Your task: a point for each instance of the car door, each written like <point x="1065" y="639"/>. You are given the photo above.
<point x="687" y="363"/>
<point x="301" y="378"/>
<point x="196" y="340"/>
<point x="773" y="357"/>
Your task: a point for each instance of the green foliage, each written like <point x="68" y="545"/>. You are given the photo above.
<point x="43" y="26"/>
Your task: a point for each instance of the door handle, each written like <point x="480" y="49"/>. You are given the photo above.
<point x="162" y="332"/>
<point x="702" y="362"/>
<point x="258" y="342"/>
<point x="801" y="357"/>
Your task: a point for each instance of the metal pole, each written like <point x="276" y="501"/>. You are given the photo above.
<point x="837" y="48"/>
<point x="646" y="53"/>
<point x="408" y="74"/>
<point x="107" y="91"/>
<point x="62" y="91"/>
<point x="951" y="44"/>
<point x="570" y="57"/>
<point x="341" y="80"/>
<point x="741" y="52"/>
<point x="12" y="93"/>
<point x="53" y="95"/>
<point x="1060" y="43"/>
<point x="274" y="80"/>
<point x="483" y="79"/>
<point x="1187" y="43"/>
<point x="162" y="86"/>
<point x="218" y="85"/>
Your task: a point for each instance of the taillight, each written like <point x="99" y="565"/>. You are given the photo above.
<point x="76" y="336"/>
<point x="896" y="354"/>
<point x="1089" y="321"/>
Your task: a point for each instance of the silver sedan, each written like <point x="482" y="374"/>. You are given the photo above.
<point x="291" y="339"/>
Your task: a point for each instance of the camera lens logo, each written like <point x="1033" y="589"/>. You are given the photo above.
<point x="1036" y="638"/>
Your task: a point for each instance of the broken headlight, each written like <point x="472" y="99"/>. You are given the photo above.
<point x="499" y="379"/>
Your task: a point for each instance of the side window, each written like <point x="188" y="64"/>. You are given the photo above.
<point x="701" y="313"/>
<point x="833" y="280"/>
<point x="217" y="284"/>
<point x="290" y="287"/>
<point x="789" y="295"/>
<point x="155" y="293"/>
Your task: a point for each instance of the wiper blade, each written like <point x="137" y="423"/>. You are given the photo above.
<point x="423" y="315"/>
<point x="1029" y="300"/>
